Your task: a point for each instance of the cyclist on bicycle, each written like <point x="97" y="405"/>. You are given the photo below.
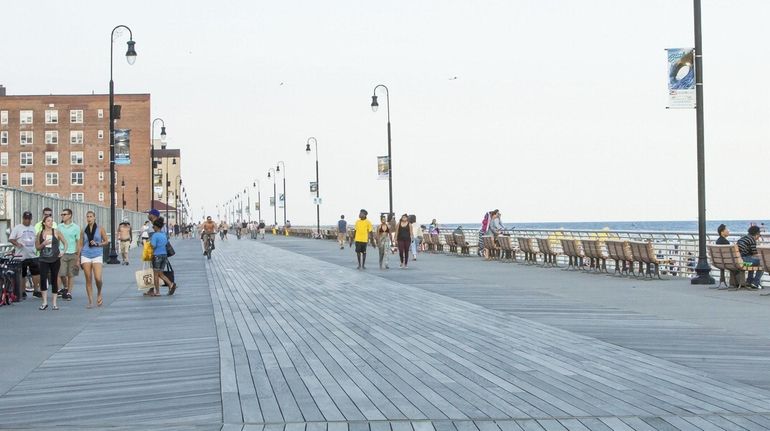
<point x="208" y="231"/>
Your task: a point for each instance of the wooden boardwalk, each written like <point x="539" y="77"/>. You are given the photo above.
<point x="263" y="338"/>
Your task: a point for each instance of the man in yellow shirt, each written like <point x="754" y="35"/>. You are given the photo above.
<point x="362" y="235"/>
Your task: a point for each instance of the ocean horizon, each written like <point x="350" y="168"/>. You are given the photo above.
<point x="735" y="226"/>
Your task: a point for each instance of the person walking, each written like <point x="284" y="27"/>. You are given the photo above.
<point x="125" y="236"/>
<point x="146" y="228"/>
<point x="23" y="238"/>
<point x="362" y="234"/>
<point x="48" y="244"/>
<point x="384" y="241"/>
<point x="416" y="236"/>
<point x="404" y="239"/>
<point x="342" y="230"/>
<point x="159" y="241"/>
<point x="94" y="239"/>
<point x="70" y="261"/>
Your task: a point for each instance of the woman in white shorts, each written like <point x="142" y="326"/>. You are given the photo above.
<point x="94" y="240"/>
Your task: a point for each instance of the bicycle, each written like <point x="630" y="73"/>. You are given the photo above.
<point x="208" y="245"/>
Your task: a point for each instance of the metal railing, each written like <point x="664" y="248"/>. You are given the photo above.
<point x="14" y="202"/>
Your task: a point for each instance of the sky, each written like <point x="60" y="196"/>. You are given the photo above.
<point x="550" y="110"/>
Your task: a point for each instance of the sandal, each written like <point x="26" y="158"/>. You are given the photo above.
<point x="42" y="307"/>
<point x="99" y="302"/>
<point x="55" y="307"/>
<point x="171" y="289"/>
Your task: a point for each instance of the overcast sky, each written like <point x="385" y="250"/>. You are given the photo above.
<point x="557" y="112"/>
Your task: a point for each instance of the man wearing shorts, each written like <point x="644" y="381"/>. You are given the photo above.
<point x="342" y="230"/>
<point x="209" y="228"/>
<point x="362" y="235"/>
<point x="125" y="237"/>
<point x="23" y="238"/>
<point x="70" y="261"/>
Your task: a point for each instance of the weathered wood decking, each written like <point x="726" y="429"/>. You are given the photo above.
<point x="263" y="338"/>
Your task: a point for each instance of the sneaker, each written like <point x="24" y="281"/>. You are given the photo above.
<point x="37" y="295"/>
<point x="67" y="296"/>
<point x="29" y="289"/>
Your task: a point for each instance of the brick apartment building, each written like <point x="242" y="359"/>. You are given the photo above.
<point x="59" y="145"/>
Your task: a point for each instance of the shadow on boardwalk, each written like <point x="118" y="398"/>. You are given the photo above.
<point x="266" y="338"/>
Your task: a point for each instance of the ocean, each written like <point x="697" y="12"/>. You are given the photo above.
<point x="737" y="227"/>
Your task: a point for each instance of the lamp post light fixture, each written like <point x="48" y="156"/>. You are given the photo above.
<point x="131" y="58"/>
<point x="317" y="186"/>
<point x="278" y="169"/>
<point x="275" y="201"/>
<point x="376" y="105"/>
<point x="259" y="199"/>
<point x="152" y="155"/>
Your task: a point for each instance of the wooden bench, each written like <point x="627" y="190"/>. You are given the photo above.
<point x="462" y="244"/>
<point x="491" y="249"/>
<point x="525" y="245"/>
<point x="644" y="254"/>
<point x="428" y="243"/>
<point x="507" y="251"/>
<point x="436" y="241"/>
<point x="450" y="241"/>
<point x="548" y="252"/>
<point x="594" y="251"/>
<point x="728" y="258"/>
<point x="574" y="252"/>
<point x="620" y="252"/>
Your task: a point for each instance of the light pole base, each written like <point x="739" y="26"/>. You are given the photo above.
<point x="113" y="260"/>
<point x="703" y="273"/>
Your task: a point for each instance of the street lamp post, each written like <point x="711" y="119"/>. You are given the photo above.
<point x="375" y="105"/>
<point x="168" y="184"/>
<point x="152" y="156"/>
<point x="702" y="269"/>
<point x="317" y="186"/>
<point x="259" y="199"/>
<point x="137" y="198"/>
<point x="131" y="58"/>
<point x="275" y="201"/>
<point x="278" y="169"/>
<point x="248" y="203"/>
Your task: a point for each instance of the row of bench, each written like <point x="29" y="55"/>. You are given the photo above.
<point x="580" y="253"/>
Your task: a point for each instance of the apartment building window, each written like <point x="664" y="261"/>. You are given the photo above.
<point x="4" y="138"/>
<point x="100" y="155"/>
<point x="25" y="117"/>
<point x="51" y="116"/>
<point x="101" y="196"/>
<point x="25" y="137"/>
<point x="4" y="179"/>
<point x="53" y="195"/>
<point x="52" y="178"/>
<point x="4" y="159"/>
<point x="51" y="158"/>
<point x="52" y="137"/>
<point x="76" y="137"/>
<point x="3" y="117"/>
<point x="77" y="197"/>
<point x="101" y="176"/>
<point x="27" y="179"/>
<point x="100" y="113"/>
<point x="76" y="116"/>
<point x="76" y="158"/>
<point x="100" y="134"/>
<point x="76" y="178"/>
<point x="26" y="158"/>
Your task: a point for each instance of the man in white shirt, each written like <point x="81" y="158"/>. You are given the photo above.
<point x="23" y="238"/>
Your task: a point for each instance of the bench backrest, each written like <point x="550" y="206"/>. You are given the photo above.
<point x="643" y="252"/>
<point x="434" y="239"/>
<point x="726" y="257"/>
<point x="764" y="256"/>
<point x="505" y="242"/>
<point x="489" y="242"/>
<point x="460" y="239"/>
<point x="450" y="239"/>
<point x="619" y="250"/>
<point x="545" y="246"/>
<point x="525" y="244"/>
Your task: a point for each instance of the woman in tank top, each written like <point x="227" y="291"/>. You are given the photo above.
<point x="404" y="239"/>
<point x="94" y="240"/>
<point x="384" y="240"/>
<point x="49" y="243"/>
